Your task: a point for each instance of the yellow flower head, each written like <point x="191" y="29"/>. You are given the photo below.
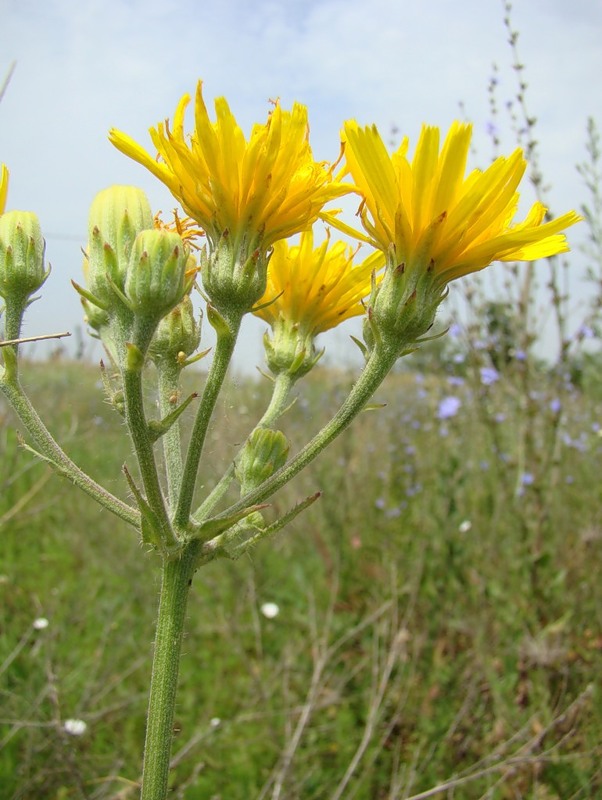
<point x="437" y="218"/>
<point x="256" y="191"/>
<point x="3" y="187"/>
<point x="315" y="289"/>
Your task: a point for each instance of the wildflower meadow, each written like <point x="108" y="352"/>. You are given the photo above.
<point x="325" y="581"/>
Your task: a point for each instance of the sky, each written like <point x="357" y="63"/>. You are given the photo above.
<point x="82" y="68"/>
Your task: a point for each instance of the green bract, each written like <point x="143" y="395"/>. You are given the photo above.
<point x="154" y="281"/>
<point x="264" y="453"/>
<point x="117" y="215"/>
<point x="21" y="256"/>
<point x="178" y="333"/>
<point x="234" y="277"/>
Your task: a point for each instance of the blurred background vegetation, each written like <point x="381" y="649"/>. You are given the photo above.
<point x="436" y="617"/>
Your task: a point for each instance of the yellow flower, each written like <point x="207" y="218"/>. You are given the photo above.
<point x="3" y="187"/>
<point x="434" y="216"/>
<point x="309" y="291"/>
<point x="255" y="191"/>
<point x="315" y="289"/>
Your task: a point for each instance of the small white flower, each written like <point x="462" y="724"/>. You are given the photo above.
<point x="215" y="722"/>
<point x="465" y="526"/>
<point x="40" y="623"/>
<point x="269" y="610"/>
<point x="75" y="727"/>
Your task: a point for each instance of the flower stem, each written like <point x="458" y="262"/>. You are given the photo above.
<point x="169" y="380"/>
<point x="377" y="368"/>
<point x="226" y="340"/>
<point x="138" y="427"/>
<point x="277" y="405"/>
<point x="51" y="452"/>
<point x="175" y="585"/>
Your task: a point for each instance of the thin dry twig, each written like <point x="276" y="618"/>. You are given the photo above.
<point x="41" y="338"/>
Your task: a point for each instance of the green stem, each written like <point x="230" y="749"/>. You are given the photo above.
<point x="13" y="318"/>
<point x="52" y="453"/>
<point x="277" y="405"/>
<point x="175" y="585"/>
<point x="278" y="401"/>
<point x="377" y="367"/>
<point x="169" y="381"/>
<point x="226" y="341"/>
<point x="143" y="446"/>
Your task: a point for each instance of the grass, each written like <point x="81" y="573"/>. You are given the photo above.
<point x="438" y="616"/>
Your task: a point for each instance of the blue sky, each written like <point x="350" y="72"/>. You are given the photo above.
<point x="85" y="67"/>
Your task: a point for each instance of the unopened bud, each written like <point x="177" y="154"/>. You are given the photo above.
<point x="155" y="282"/>
<point x="263" y="454"/>
<point x="178" y="334"/>
<point x="117" y="215"/>
<point x="21" y="256"/>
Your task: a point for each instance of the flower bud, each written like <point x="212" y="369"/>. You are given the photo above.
<point x="178" y="334"/>
<point x="117" y="215"/>
<point x="21" y="256"/>
<point x="263" y="454"/>
<point x="154" y="281"/>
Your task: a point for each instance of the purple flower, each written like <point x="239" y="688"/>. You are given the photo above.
<point x="527" y="478"/>
<point x="454" y="330"/>
<point x="455" y="380"/>
<point x="449" y="407"/>
<point x="555" y="405"/>
<point x="489" y="375"/>
<point x="585" y="332"/>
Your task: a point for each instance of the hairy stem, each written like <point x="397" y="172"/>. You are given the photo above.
<point x="276" y="407"/>
<point x="226" y="340"/>
<point x="169" y="379"/>
<point x="175" y="586"/>
<point x="377" y="367"/>
<point x="54" y="455"/>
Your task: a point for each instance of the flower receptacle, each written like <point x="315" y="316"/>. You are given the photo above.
<point x="403" y="306"/>
<point x="290" y="349"/>
<point x="234" y="275"/>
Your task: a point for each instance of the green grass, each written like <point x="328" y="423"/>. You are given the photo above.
<point x="435" y="649"/>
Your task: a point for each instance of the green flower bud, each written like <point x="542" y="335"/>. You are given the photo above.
<point x="21" y="256"/>
<point x="233" y="279"/>
<point x="117" y="215"/>
<point x="178" y="334"/>
<point x="264" y="452"/>
<point x="155" y="279"/>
